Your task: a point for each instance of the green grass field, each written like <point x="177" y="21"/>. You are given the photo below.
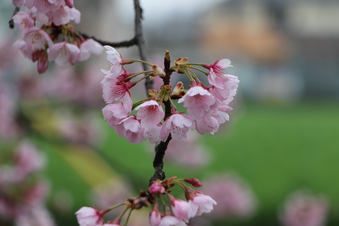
<point x="275" y="148"/>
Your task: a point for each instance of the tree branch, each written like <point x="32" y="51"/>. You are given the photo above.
<point x="158" y="163"/>
<point x="127" y="43"/>
<point x="11" y="22"/>
<point x="161" y="147"/>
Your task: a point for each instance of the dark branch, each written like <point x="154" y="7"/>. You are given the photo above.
<point x="161" y="147"/>
<point x="127" y="43"/>
<point x="158" y="163"/>
<point x="11" y="22"/>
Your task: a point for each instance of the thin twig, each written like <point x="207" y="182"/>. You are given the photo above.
<point x="11" y="22"/>
<point x="127" y="43"/>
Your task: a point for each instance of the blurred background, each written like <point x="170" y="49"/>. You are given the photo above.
<point x="274" y="163"/>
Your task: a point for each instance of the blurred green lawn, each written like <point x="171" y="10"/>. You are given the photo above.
<point x="275" y="148"/>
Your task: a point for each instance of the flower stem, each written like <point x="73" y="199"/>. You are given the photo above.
<point x="128" y="216"/>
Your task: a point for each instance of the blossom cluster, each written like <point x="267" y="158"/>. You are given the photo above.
<point x="207" y="106"/>
<point x="48" y="36"/>
<point x="196" y="203"/>
<point x="175" y="212"/>
<point x="22" y="191"/>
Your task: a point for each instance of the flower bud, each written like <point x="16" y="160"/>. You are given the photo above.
<point x="193" y="181"/>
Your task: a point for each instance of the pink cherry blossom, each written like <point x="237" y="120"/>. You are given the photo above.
<point x="200" y="203"/>
<point x="150" y="113"/>
<point x="131" y="129"/>
<point x="64" y="53"/>
<point x="114" y="113"/>
<point x="170" y="220"/>
<point x="111" y="224"/>
<point x="177" y="124"/>
<point x="40" y="6"/>
<point x="229" y="90"/>
<point x="115" y="90"/>
<point x="207" y="124"/>
<point x="89" y="47"/>
<point x="24" y="20"/>
<point x="180" y="208"/>
<point x="221" y="112"/>
<point x="198" y="101"/>
<point x="34" y="39"/>
<point x="88" y="216"/>
<point x="217" y="75"/>
<point x="64" y="15"/>
<point x="152" y="133"/>
<point x="115" y="59"/>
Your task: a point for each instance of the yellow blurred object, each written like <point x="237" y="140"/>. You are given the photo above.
<point x="88" y="165"/>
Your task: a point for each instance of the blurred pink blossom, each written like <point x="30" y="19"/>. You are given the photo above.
<point x="27" y="160"/>
<point x="234" y="196"/>
<point x="37" y="216"/>
<point x="188" y="152"/>
<point x="304" y="209"/>
<point x="8" y="126"/>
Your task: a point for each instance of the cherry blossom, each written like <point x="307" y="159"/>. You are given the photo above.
<point x="24" y="20"/>
<point x="115" y="90"/>
<point x="170" y="220"/>
<point x="34" y="39"/>
<point x="150" y="113"/>
<point x="198" y="101"/>
<point x="229" y="90"/>
<point x="64" y="15"/>
<point x="131" y="129"/>
<point x="115" y="59"/>
<point x="177" y="124"/>
<point x="88" y="216"/>
<point x="114" y="113"/>
<point x="64" y="53"/>
<point x="180" y="208"/>
<point x="200" y="203"/>
<point x="89" y="47"/>
<point x="217" y="75"/>
<point x="207" y="124"/>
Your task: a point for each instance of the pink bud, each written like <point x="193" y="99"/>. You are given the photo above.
<point x="155" y="216"/>
<point x="156" y="187"/>
<point x="193" y="181"/>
